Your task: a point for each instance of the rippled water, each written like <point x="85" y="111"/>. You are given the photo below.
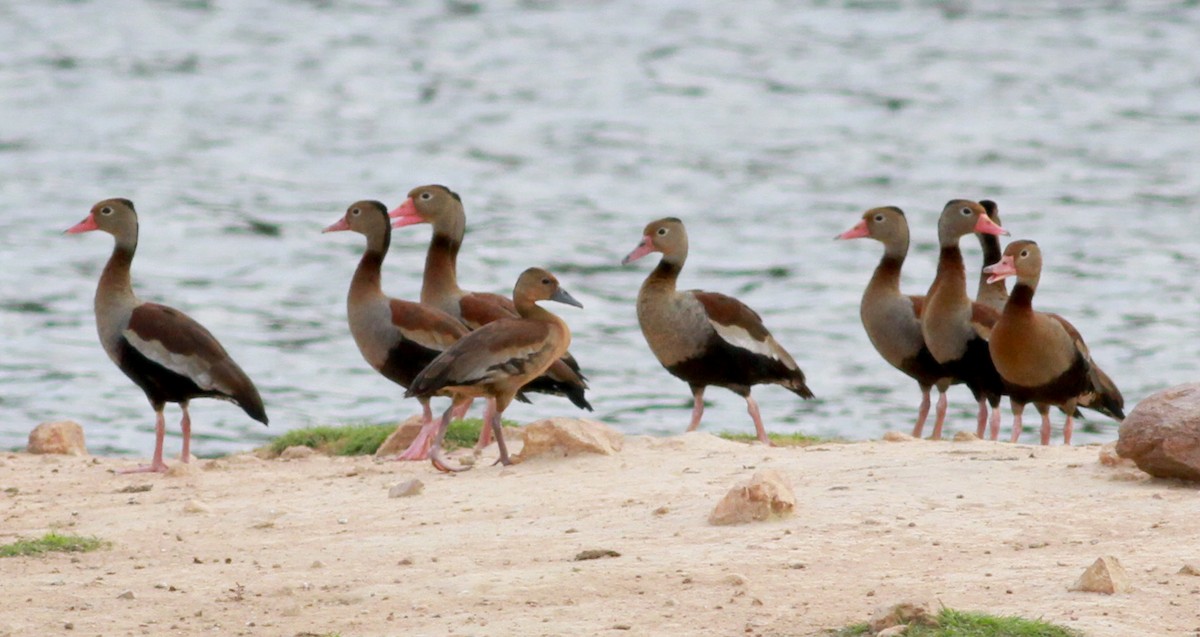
<point x="242" y="128"/>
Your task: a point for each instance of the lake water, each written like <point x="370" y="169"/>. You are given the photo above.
<point x="242" y="128"/>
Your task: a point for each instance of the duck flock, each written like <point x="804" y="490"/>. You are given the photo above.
<point x="464" y="345"/>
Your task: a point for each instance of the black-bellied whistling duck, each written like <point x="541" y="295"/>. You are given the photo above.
<point x="992" y="294"/>
<point x="498" y="359"/>
<point x="162" y="350"/>
<point x="705" y="338"/>
<point x="955" y="329"/>
<point x="443" y="209"/>
<point x="397" y="338"/>
<point x="892" y="319"/>
<point x="1041" y="357"/>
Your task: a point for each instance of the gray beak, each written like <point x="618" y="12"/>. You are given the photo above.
<point x="563" y="296"/>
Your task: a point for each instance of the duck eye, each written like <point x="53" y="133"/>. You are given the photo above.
<point x="1024" y="253"/>
<point x="662" y="232"/>
<point x="878" y="218"/>
<point x="106" y="210"/>
<point x="545" y="281"/>
<point x="354" y="212"/>
<point x="426" y="196"/>
<point x="966" y="212"/>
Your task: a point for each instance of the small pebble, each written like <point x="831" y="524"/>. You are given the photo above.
<point x="343" y="520"/>
<point x="406" y="489"/>
<point x="318" y="564"/>
<point x="127" y="595"/>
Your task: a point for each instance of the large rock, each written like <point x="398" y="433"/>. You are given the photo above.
<point x="767" y="494"/>
<point x="560" y="437"/>
<point x="400" y="439"/>
<point x="63" y="437"/>
<point x="1105" y="575"/>
<point x="1162" y="433"/>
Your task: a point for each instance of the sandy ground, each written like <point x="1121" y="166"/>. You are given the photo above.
<point x="242" y="546"/>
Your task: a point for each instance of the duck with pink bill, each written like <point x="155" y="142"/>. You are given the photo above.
<point x="1042" y="357"/>
<point x="165" y="352"/>
<point x="397" y="338"/>
<point x="955" y="329"/>
<point x="705" y="338"/>
<point x="443" y="209"/>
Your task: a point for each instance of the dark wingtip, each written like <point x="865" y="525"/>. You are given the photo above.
<point x="578" y="399"/>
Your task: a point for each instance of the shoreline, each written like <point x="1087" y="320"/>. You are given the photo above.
<point x="244" y="546"/>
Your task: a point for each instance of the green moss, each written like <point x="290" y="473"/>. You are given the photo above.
<point x="779" y="440"/>
<point x="344" y="440"/>
<point x="365" y="439"/>
<point x="953" y="623"/>
<point x="53" y="542"/>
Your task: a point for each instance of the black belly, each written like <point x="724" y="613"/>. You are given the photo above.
<point x="405" y="360"/>
<point x="924" y="369"/>
<point x="160" y="384"/>
<point x="731" y="367"/>
<point x="976" y="369"/>
<point x="1067" y="386"/>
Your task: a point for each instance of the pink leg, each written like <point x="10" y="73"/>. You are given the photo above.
<point x="461" y="412"/>
<point x="435" y="451"/>
<point x="697" y="407"/>
<point x="1069" y="427"/>
<point x="940" y="419"/>
<point x="1017" y="410"/>
<point x="160" y="430"/>
<point x="922" y="413"/>
<point x="752" y="407"/>
<point x="419" y="448"/>
<point x="981" y="424"/>
<point x="1045" y="426"/>
<point x="994" y="426"/>
<point x="185" y="424"/>
<point x="485" y="432"/>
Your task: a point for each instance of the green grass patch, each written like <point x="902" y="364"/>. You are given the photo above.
<point x="779" y="440"/>
<point x="954" y="623"/>
<point x="365" y="439"/>
<point x="52" y="542"/>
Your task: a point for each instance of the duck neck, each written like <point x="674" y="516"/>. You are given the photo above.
<point x="665" y="274"/>
<point x="441" y="266"/>
<point x="367" y="276"/>
<point x="886" y="279"/>
<point x="991" y="293"/>
<point x="1021" y="299"/>
<point x="951" y="275"/>
<point x="115" y="282"/>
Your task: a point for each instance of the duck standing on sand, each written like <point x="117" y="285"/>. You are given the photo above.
<point x="955" y="329"/>
<point x="893" y="320"/>
<point x="162" y="350"/>
<point x="1042" y="357"/>
<point x="397" y="338"/>
<point x="498" y="359"/>
<point x="705" y="338"/>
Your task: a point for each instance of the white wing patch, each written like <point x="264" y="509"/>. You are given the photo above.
<point x="192" y="367"/>
<point x="740" y="337"/>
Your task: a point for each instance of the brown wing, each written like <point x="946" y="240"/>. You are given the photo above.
<point x="983" y="319"/>
<point x="741" y="326"/>
<point x="426" y="326"/>
<point x="498" y="351"/>
<point x="480" y="308"/>
<point x="177" y="342"/>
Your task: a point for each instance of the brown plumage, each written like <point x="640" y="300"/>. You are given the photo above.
<point x="955" y="329"/>
<point x="397" y="338"/>
<point x="893" y="320"/>
<point x="498" y="359"/>
<point x="704" y="338"/>
<point x="162" y="350"/>
<point x="443" y="208"/>
<point x="993" y="294"/>
<point x="1041" y="357"/>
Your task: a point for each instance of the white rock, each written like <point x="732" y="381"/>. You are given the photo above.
<point x="1105" y="575"/>
<point x="406" y="488"/>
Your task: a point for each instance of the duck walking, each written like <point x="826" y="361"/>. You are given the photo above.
<point x="498" y="359"/>
<point x="955" y="329"/>
<point x="1042" y="357"/>
<point x="162" y="350"/>
<point x="705" y="338"/>
<point x="397" y="338"/>
<point x="443" y="209"/>
<point x="893" y="320"/>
